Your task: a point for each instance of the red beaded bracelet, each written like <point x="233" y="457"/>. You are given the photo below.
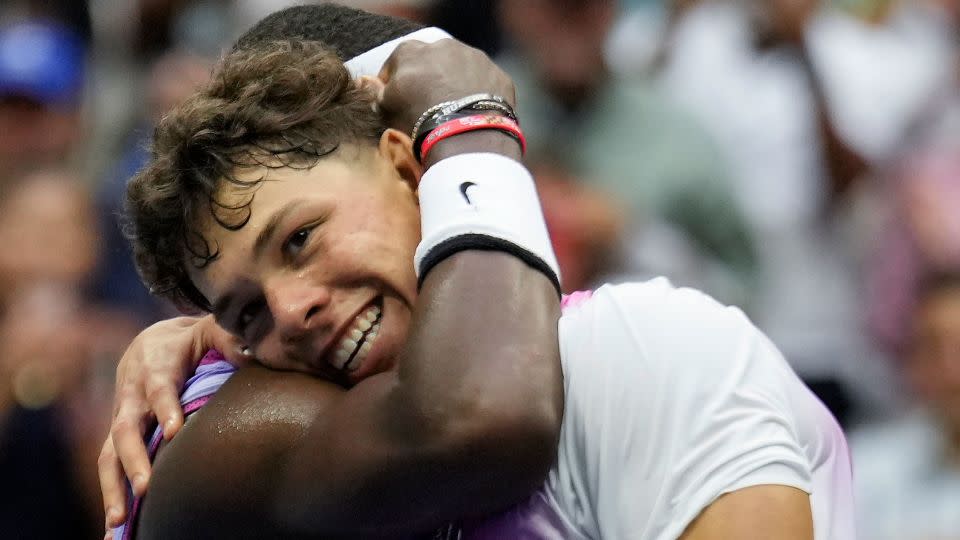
<point x="473" y="123"/>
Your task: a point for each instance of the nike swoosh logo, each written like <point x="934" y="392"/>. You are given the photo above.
<point x="463" y="191"/>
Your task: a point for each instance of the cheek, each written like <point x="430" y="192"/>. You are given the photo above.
<point x="398" y="235"/>
<point x="379" y="240"/>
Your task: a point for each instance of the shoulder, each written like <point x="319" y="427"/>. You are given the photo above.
<point x="648" y="336"/>
<point x="672" y="396"/>
<point x="656" y="317"/>
<point x="664" y="334"/>
<point x="218" y="476"/>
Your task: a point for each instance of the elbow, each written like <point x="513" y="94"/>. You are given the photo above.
<point x="510" y="440"/>
<point x="523" y="446"/>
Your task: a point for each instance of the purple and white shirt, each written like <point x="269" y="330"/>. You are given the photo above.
<point x="211" y="374"/>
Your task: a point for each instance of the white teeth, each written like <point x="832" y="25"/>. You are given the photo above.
<point x="340" y="358"/>
<point x="361" y="355"/>
<point x="365" y="324"/>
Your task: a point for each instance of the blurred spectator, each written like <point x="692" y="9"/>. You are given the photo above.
<point x="794" y="93"/>
<point x="908" y="471"/>
<point x="872" y="103"/>
<point x="203" y="26"/>
<point x="72" y="14"/>
<point x="47" y="231"/>
<point x="41" y="87"/>
<point x="920" y="228"/>
<point x="921" y="234"/>
<point x="172" y="78"/>
<point x="626" y="140"/>
<point x="585" y="226"/>
<point x="56" y="356"/>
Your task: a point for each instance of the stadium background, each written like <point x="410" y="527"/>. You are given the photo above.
<point x="799" y="158"/>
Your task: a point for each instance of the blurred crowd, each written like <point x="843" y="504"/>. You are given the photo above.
<point x="798" y="158"/>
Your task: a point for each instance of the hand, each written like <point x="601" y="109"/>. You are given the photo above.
<point x="149" y="378"/>
<point x="419" y="75"/>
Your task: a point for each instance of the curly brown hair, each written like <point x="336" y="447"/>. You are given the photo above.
<point x="280" y="104"/>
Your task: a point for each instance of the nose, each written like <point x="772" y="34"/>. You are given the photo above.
<point x="296" y="306"/>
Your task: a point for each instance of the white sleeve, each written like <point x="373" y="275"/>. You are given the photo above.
<point x="672" y="400"/>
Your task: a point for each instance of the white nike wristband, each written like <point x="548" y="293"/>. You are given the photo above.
<point x="486" y="202"/>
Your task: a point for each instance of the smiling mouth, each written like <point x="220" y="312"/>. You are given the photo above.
<point x="358" y="339"/>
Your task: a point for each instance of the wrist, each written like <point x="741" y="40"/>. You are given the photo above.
<point x="482" y="201"/>
<point x="485" y="141"/>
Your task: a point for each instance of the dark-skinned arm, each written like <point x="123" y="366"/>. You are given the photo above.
<point x="469" y="421"/>
<point x="467" y="424"/>
<point x="427" y="444"/>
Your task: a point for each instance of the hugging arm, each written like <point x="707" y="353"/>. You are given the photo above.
<point x="468" y="424"/>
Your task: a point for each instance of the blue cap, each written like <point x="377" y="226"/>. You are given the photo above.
<point x="42" y="61"/>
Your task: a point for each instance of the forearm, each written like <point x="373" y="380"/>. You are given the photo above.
<point x="484" y="340"/>
<point x="467" y="427"/>
<point x="484" y="347"/>
<point x="479" y="394"/>
<point x="468" y="422"/>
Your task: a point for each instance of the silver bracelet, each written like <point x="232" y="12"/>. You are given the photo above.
<point x="430" y="113"/>
<point x="488" y="105"/>
<point x="449" y="107"/>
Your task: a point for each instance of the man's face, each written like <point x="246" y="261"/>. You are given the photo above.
<point x="933" y="368"/>
<point x="321" y="278"/>
<point x="33" y="132"/>
<point x="48" y="231"/>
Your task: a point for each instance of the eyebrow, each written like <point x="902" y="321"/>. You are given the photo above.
<point x="270" y="229"/>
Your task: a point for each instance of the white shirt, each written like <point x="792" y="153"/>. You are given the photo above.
<point x="673" y="400"/>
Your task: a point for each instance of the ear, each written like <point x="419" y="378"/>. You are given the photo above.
<point x="397" y="148"/>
